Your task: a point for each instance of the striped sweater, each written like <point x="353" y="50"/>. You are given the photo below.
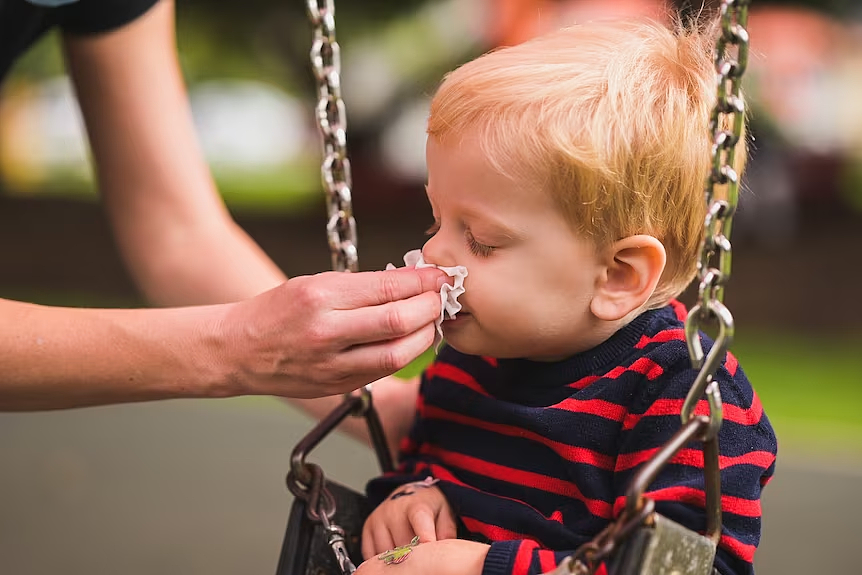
<point x="534" y="458"/>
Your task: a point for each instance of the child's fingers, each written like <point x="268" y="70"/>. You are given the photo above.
<point x="421" y="519"/>
<point x="401" y="531"/>
<point x="446" y="528"/>
<point x="382" y="538"/>
<point x="368" y="545"/>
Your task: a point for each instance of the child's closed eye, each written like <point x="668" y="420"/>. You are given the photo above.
<point x="435" y="227"/>
<point x="476" y="248"/>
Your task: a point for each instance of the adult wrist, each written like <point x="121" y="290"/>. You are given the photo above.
<point x="214" y="358"/>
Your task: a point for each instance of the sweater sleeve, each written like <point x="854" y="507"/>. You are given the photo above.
<point x="521" y="557"/>
<point x="747" y="447"/>
<point x="86" y="17"/>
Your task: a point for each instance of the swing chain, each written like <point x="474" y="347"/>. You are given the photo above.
<point x="727" y="123"/>
<point x="588" y="557"/>
<point x="320" y="502"/>
<point x="332" y="124"/>
<point x="320" y="508"/>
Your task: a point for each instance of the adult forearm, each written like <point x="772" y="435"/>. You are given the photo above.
<point x="57" y="358"/>
<point x="175" y="235"/>
<point x="312" y="336"/>
<point x="198" y="264"/>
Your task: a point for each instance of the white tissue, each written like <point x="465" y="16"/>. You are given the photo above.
<point x="449" y="305"/>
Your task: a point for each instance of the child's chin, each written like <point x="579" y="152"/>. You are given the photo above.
<point x="466" y="344"/>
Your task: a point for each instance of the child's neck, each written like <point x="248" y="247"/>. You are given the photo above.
<point x="599" y="332"/>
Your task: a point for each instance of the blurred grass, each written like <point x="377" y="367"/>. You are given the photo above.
<point x="810" y="386"/>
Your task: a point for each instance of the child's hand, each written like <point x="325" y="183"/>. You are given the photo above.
<point x="450" y="557"/>
<point x="413" y="509"/>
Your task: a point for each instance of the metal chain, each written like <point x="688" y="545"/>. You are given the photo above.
<point x="332" y="124"/>
<point x="306" y="480"/>
<point x="320" y="508"/>
<point x="713" y="268"/>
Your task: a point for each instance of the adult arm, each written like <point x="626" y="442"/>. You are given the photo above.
<point x="312" y="336"/>
<point x="305" y="338"/>
<point x="178" y="241"/>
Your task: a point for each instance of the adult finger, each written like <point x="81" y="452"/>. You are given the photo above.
<point x="387" y="321"/>
<point x="364" y="289"/>
<point x="422" y="522"/>
<point x="366" y="363"/>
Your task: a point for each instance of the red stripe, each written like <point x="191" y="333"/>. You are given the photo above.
<point x="734" y="413"/>
<point x="490" y="360"/>
<point x="690" y="495"/>
<point x="731" y="364"/>
<point x="452" y="373"/>
<point x="407" y="445"/>
<point x="598" y="407"/>
<point x="694" y="458"/>
<point x="570" y="452"/>
<point x="597" y="507"/>
<point x="602" y="569"/>
<point x="679" y="309"/>
<point x="738" y="548"/>
<point x="492" y="532"/>
<point x="661" y="337"/>
<point x="547" y="560"/>
<point x="524" y="557"/>
<point x="444" y="474"/>
<point x="642" y="365"/>
<point x="584" y="382"/>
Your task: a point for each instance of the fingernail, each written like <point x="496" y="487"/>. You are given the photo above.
<point x="442" y="281"/>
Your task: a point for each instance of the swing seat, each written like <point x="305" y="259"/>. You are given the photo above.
<point x="664" y="547"/>
<point x="306" y="550"/>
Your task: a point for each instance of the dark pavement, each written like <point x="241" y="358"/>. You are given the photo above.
<point x="196" y="487"/>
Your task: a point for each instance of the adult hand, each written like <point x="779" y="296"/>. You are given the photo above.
<point x="415" y="509"/>
<point x="449" y="557"/>
<point x="330" y="333"/>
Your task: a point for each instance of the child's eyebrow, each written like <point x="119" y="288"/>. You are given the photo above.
<point x="494" y="225"/>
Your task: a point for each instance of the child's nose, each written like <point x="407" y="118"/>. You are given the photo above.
<point x="435" y="252"/>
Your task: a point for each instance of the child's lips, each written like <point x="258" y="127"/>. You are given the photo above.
<point x="460" y="316"/>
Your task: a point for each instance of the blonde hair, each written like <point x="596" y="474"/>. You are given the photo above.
<point x="611" y="118"/>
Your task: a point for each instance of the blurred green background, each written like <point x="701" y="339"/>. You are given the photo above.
<point x="183" y="487"/>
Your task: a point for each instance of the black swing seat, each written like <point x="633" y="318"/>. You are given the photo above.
<point x="306" y="550"/>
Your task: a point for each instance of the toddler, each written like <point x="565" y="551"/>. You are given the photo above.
<point x="566" y="175"/>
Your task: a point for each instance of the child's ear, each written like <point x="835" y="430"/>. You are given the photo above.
<point x="631" y="270"/>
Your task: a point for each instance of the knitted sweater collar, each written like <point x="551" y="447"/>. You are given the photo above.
<point x="593" y="361"/>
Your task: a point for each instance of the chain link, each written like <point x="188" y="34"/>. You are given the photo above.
<point x="713" y="268"/>
<point x="332" y="124"/>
